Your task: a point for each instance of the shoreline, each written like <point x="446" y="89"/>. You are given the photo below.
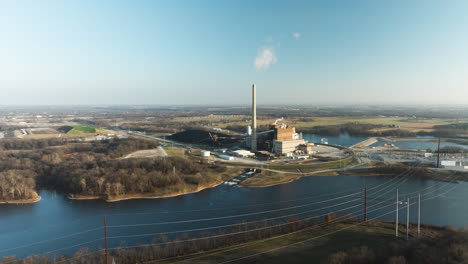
<point x="36" y="199"/>
<point x="143" y="196"/>
<point x="326" y="174"/>
<point x="429" y="174"/>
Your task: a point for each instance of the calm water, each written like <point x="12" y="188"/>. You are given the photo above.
<point x="343" y="139"/>
<point x="347" y="140"/>
<point x="420" y="145"/>
<point x="55" y="216"/>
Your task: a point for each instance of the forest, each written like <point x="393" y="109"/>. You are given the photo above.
<point x="92" y="168"/>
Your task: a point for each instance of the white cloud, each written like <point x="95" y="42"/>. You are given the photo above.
<point x="265" y="58"/>
<point x="296" y="35"/>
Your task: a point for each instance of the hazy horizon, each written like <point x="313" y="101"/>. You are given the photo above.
<point x="178" y="53"/>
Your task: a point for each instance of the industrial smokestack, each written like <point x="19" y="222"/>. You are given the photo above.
<point x="253" y="145"/>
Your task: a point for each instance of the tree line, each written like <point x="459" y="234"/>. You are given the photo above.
<point x="94" y="168"/>
<point x="450" y="248"/>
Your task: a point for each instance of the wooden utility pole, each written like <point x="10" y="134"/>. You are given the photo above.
<point x="365" y="205"/>
<point x="396" y="211"/>
<point x="438" y="154"/>
<point x="407" y="218"/>
<point x="105" y="240"/>
<point x="419" y="214"/>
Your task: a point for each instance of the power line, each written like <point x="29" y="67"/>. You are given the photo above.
<point x="235" y="233"/>
<point x="316" y="226"/>
<point x="44" y="241"/>
<point x="250" y="230"/>
<point x="235" y="216"/>
<point x="232" y="216"/>
<point x="313" y="238"/>
<point x="343" y="217"/>
<point x="243" y="223"/>
<point x="52" y="239"/>
<point x="303" y="230"/>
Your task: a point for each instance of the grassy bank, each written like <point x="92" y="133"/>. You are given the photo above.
<point x="311" y="167"/>
<point x="270" y="178"/>
<point x="315" y="245"/>
<point x="290" y="172"/>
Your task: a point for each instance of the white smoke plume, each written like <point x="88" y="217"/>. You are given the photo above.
<point x="296" y="35"/>
<point x="265" y="58"/>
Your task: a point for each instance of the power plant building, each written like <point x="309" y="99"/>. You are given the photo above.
<point x="281" y="139"/>
<point x="286" y="140"/>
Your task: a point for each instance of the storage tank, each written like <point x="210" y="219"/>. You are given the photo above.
<point x="226" y="157"/>
<point x="249" y="130"/>
<point x="205" y="153"/>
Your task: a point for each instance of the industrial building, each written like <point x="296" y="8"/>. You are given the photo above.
<point x="453" y="164"/>
<point x="286" y="140"/>
<point x="205" y="153"/>
<point x="281" y="139"/>
<point x="243" y="153"/>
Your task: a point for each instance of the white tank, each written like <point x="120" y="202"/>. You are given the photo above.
<point x="249" y="130"/>
<point x="205" y="153"/>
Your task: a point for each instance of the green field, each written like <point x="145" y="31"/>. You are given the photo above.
<point x="78" y="129"/>
<point x="411" y="124"/>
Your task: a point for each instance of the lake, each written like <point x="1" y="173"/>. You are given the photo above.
<point x="25" y="229"/>
<point x="345" y="139"/>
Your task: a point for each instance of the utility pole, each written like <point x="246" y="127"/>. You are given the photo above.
<point x="407" y="218"/>
<point x="396" y="218"/>
<point x="105" y="240"/>
<point x="365" y="204"/>
<point x="438" y="154"/>
<point x="419" y="214"/>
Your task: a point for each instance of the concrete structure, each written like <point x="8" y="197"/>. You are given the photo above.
<point x="286" y="139"/>
<point x="286" y="146"/>
<point x="284" y="133"/>
<point x="453" y="164"/>
<point x="301" y="157"/>
<point x="448" y="163"/>
<point x="226" y="157"/>
<point x="243" y="153"/>
<point x="249" y="131"/>
<point x="253" y="144"/>
<point x="205" y="153"/>
<point x="306" y="148"/>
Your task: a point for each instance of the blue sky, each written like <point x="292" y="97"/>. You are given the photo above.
<point x="204" y="52"/>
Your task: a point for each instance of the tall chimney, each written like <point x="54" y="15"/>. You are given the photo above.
<point x="253" y="144"/>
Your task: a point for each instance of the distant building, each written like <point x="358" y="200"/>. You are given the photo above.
<point x="205" y="153"/>
<point x="243" y="153"/>
<point x="286" y="146"/>
<point x="286" y="140"/>
<point x="306" y="148"/>
<point x="249" y="131"/>
<point x="452" y="164"/>
<point x="226" y="157"/>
